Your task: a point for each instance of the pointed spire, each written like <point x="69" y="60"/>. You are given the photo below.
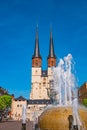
<point x="36" y="49"/>
<point x="51" y="47"/>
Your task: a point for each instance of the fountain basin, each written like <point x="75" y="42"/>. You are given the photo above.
<point x="56" y="118"/>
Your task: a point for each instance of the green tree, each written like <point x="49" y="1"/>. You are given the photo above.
<point x="85" y="102"/>
<point x="5" y="102"/>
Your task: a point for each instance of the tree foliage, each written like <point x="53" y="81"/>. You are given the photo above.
<point x="5" y="102"/>
<point x="85" y="102"/>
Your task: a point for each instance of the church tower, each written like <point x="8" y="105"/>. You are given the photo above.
<point x="51" y="56"/>
<point x="36" y="58"/>
<point x="41" y="78"/>
<point x="51" y="59"/>
<point x="36" y="69"/>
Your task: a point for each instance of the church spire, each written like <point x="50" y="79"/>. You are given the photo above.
<point x="51" y="47"/>
<point x="51" y="56"/>
<point x="36" y="49"/>
<point x="36" y="58"/>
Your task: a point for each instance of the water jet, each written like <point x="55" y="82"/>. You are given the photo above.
<point x="24" y="118"/>
<point x="65" y="113"/>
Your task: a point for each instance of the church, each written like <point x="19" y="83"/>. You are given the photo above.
<point x="41" y="81"/>
<point x="41" y="78"/>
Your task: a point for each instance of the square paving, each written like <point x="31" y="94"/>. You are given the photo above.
<point x="14" y="125"/>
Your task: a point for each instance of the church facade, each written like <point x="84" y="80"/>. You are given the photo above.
<point x="40" y="84"/>
<point x="41" y="78"/>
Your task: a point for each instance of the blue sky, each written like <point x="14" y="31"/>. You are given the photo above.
<point x="18" y="20"/>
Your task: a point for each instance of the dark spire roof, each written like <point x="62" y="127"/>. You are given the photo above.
<point x="20" y="98"/>
<point x="51" y="47"/>
<point x="36" y="49"/>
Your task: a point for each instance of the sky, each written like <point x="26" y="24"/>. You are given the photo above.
<point x="18" y="20"/>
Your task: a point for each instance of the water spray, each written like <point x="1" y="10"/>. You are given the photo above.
<point x="24" y="118"/>
<point x="65" y="84"/>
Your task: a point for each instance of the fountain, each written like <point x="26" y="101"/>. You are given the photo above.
<point x="24" y="118"/>
<point x="65" y="113"/>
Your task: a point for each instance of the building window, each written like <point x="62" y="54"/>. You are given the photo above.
<point x="18" y="105"/>
<point x="36" y="71"/>
<point x="29" y="107"/>
<point x="18" y="114"/>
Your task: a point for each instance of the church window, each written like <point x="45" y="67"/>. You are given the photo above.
<point x="39" y="87"/>
<point x="36" y="63"/>
<point x="44" y="78"/>
<point x="44" y="83"/>
<point x="36" y="72"/>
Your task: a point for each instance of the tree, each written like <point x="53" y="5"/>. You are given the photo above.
<point x="85" y="102"/>
<point x="5" y="102"/>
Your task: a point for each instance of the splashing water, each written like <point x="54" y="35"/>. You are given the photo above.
<point x="24" y="114"/>
<point x="65" y="86"/>
<point x="65" y="83"/>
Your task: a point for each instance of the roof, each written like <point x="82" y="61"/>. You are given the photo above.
<point x="44" y="73"/>
<point x="3" y="91"/>
<point x="36" y="49"/>
<point x="39" y="101"/>
<point x="20" y="98"/>
<point x="51" y="48"/>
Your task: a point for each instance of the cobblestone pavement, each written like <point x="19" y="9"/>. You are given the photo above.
<point x="14" y="125"/>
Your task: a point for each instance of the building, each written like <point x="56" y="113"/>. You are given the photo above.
<point x="3" y="91"/>
<point x="82" y="92"/>
<point x="41" y="78"/>
<point x="40" y="84"/>
<point x="16" y="107"/>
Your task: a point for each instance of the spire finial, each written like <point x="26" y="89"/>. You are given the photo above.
<point x="36" y="50"/>
<point x="50" y="27"/>
<point x="51" y="32"/>
<point x="51" y="47"/>
<point x="37" y="28"/>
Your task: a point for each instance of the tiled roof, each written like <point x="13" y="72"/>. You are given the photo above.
<point x="20" y="98"/>
<point x="44" y="73"/>
<point x="43" y="101"/>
